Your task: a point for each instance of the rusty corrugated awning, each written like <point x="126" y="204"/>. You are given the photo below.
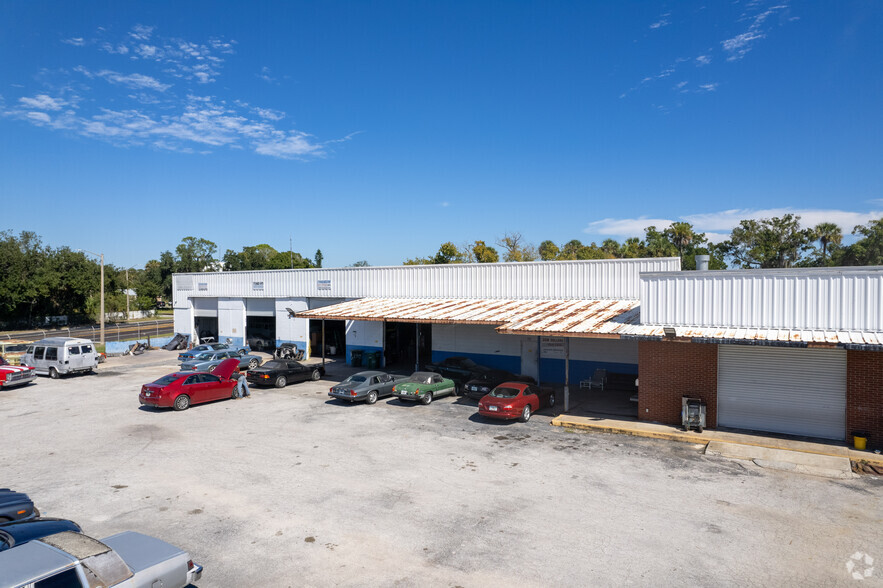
<point x="573" y="318"/>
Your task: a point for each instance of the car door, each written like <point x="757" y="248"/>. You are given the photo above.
<point x="530" y="395"/>
<point x="191" y="387"/>
<point x="212" y="387"/>
<point x="297" y="372"/>
<point x="74" y="357"/>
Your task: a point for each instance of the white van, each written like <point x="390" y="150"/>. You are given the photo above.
<point x="61" y="355"/>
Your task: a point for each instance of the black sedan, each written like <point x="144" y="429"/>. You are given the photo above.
<point x="16" y="506"/>
<point x="12" y="534"/>
<point x="279" y="372"/>
<point x="459" y="369"/>
<point x="477" y="388"/>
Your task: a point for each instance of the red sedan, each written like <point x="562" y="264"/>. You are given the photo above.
<point x="181" y="389"/>
<point x="515" y="400"/>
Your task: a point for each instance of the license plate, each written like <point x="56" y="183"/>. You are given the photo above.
<point x="493" y="408"/>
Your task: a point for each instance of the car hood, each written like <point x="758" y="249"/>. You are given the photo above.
<point x="10" y="497"/>
<point x="25" y="531"/>
<point x="226" y="368"/>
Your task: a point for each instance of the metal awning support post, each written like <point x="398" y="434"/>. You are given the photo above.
<point x="566" y="374"/>
<point x="417" y="345"/>
<point x="323" y="342"/>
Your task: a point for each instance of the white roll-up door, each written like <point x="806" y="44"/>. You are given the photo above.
<point x="782" y="390"/>
<point x="260" y="307"/>
<point x="205" y="306"/>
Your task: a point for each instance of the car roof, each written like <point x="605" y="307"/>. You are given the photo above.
<point x="26" y="563"/>
<point x="370" y="373"/>
<point x="62" y="341"/>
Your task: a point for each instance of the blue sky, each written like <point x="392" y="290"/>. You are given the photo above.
<point x="378" y="130"/>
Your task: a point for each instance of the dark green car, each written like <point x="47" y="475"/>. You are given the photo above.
<point x="423" y="387"/>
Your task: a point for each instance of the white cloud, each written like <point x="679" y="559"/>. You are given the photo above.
<point x="133" y="81"/>
<point x="663" y="21"/>
<point x="445" y="204"/>
<point x="703" y="60"/>
<point x="741" y="44"/>
<point x="141" y="32"/>
<point x="293" y="146"/>
<point x="43" y="102"/>
<point x="717" y="226"/>
<point x="40" y="117"/>
<point x="265" y="75"/>
<point x="708" y="87"/>
<point x="75" y="41"/>
<point x="138" y="109"/>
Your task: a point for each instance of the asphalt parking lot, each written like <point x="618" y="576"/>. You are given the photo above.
<point x="291" y="488"/>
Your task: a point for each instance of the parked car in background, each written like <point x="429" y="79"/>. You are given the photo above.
<point x="191" y="353"/>
<point x="181" y="389"/>
<point x="57" y="356"/>
<point x="478" y="387"/>
<point x="208" y="361"/>
<point x="16" y="375"/>
<point x="459" y="369"/>
<point x="281" y="372"/>
<point x="515" y="400"/>
<point x="20" y="532"/>
<point x="72" y="559"/>
<point x="424" y="387"/>
<point x="16" y="506"/>
<point x="261" y="342"/>
<point x="365" y="386"/>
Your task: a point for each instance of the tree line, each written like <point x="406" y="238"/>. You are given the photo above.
<point x="38" y="281"/>
<point x="778" y="242"/>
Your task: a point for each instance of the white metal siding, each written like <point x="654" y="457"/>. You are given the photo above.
<point x="835" y="299"/>
<point x="578" y="280"/>
<point x="782" y="390"/>
<point x="475" y="339"/>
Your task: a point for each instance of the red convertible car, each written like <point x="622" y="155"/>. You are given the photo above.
<point x="181" y="389"/>
<point x="515" y="400"/>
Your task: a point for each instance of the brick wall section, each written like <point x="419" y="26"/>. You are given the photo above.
<point x="864" y="395"/>
<point x="669" y="370"/>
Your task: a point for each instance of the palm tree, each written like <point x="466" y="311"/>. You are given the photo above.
<point x="681" y="234"/>
<point x="827" y="234"/>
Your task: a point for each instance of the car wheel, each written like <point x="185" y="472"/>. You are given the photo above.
<point x="182" y="402"/>
<point x="211" y="368"/>
<point x="525" y="414"/>
<point x="53" y="373"/>
<point x="315" y="375"/>
<point x="235" y="394"/>
<point x="252" y="364"/>
<point x="372" y="397"/>
<point x="458" y="390"/>
<point x="281" y="381"/>
<point x="551" y="400"/>
<point x="427" y="398"/>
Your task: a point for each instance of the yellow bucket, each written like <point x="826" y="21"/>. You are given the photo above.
<point x="859" y="442"/>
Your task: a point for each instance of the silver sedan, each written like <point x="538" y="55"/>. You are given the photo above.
<point x="365" y="386"/>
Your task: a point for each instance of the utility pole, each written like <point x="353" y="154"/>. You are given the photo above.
<point x="127" y="294"/>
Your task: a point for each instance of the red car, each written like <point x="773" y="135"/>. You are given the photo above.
<point x="515" y="400"/>
<point x="181" y="389"/>
<point x="15" y="375"/>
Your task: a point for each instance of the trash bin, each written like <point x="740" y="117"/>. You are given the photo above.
<point x="371" y="360"/>
<point x="860" y="440"/>
<point x="356" y="358"/>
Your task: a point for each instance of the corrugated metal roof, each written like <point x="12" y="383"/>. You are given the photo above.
<point x="573" y="318"/>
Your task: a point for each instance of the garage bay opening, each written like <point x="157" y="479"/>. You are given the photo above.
<point x="403" y="342"/>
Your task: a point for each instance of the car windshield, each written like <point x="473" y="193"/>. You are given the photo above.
<point x="204" y="356"/>
<point x="354" y="380"/>
<point x="504" y="392"/>
<point x="276" y="365"/>
<point x="166" y="380"/>
<point x="463" y="362"/>
<point x="421" y="379"/>
<point x="493" y="376"/>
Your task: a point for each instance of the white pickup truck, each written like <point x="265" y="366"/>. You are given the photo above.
<point x="71" y="559"/>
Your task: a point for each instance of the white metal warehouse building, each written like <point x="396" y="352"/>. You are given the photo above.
<point x="792" y="351"/>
